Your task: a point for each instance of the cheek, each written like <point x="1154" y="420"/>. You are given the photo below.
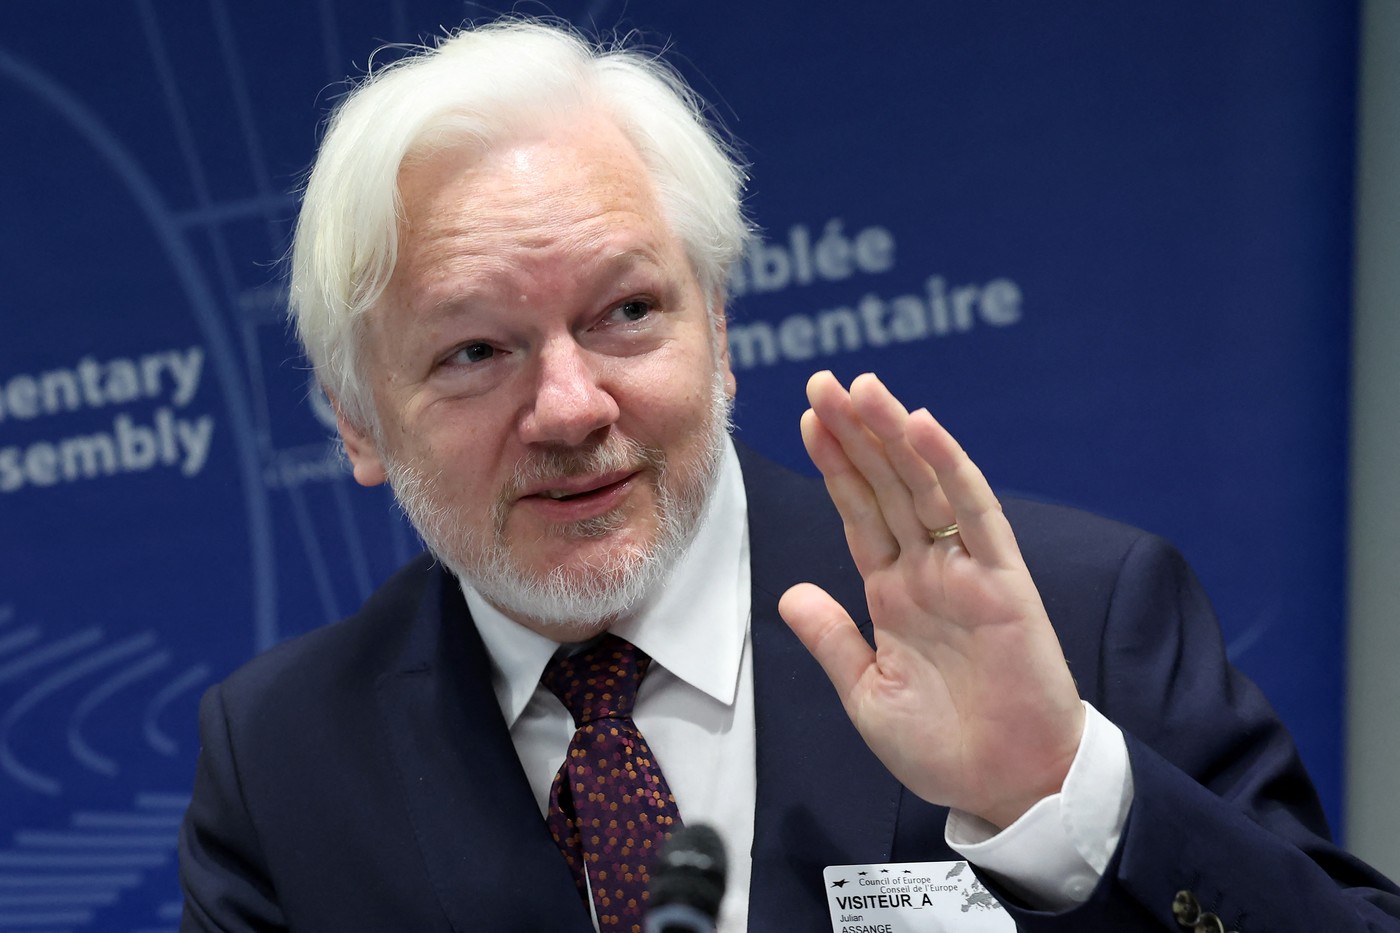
<point x="670" y="398"/>
<point x="683" y="372"/>
<point x="470" y="457"/>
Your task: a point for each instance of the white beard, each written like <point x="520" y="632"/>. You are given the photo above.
<point x="573" y="600"/>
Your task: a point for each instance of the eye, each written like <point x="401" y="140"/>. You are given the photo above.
<point x="632" y="311"/>
<point x="473" y="353"/>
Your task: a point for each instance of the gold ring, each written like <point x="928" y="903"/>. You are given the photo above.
<point x="947" y="531"/>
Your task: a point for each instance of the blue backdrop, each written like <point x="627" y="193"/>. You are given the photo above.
<point x="1107" y="244"/>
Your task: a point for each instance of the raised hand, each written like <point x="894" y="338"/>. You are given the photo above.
<point x="966" y="697"/>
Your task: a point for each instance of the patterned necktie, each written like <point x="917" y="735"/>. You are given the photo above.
<point x="609" y="806"/>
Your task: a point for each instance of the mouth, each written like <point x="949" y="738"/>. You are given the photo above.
<point x="581" y="488"/>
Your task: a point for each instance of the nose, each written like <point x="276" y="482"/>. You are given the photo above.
<point x="570" y="402"/>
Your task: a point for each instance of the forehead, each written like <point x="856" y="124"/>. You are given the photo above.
<point x="542" y="224"/>
<point x="583" y="179"/>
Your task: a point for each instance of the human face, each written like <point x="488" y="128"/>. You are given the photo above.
<point x="550" y="385"/>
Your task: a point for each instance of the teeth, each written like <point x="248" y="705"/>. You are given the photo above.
<point x="553" y="494"/>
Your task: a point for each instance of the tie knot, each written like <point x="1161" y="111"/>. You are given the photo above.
<point x="599" y="682"/>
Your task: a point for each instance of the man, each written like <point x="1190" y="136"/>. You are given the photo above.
<point x="509" y="273"/>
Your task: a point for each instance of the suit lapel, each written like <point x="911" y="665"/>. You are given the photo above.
<point x="823" y="798"/>
<point x="485" y="846"/>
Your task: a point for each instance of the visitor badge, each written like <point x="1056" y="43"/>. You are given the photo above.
<point x="912" y="897"/>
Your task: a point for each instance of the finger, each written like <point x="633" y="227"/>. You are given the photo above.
<point x="983" y="528"/>
<point x="828" y="632"/>
<point x="886" y="417"/>
<point x="834" y="408"/>
<point x="871" y="543"/>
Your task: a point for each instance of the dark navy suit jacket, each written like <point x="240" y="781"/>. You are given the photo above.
<point x="362" y="778"/>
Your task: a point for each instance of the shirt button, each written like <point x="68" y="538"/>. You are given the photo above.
<point x="1078" y="887"/>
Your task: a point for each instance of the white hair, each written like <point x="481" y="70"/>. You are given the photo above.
<point x="480" y="87"/>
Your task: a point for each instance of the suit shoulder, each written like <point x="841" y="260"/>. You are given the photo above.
<point x="1045" y="525"/>
<point x="354" y="648"/>
<point x="1082" y="563"/>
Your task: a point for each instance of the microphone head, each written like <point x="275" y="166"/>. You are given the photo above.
<point x="690" y="870"/>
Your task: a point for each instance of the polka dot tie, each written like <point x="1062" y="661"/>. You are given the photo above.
<point x="609" y="806"/>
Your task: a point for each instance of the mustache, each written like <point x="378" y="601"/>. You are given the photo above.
<point x="612" y="453"/>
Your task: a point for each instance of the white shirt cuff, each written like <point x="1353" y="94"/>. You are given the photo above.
<point x="1054" y="855"/>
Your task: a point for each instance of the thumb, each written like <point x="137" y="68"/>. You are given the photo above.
<point x="828" y="632"/>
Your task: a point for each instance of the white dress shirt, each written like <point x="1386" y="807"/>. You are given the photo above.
<point x="695" y="708"/>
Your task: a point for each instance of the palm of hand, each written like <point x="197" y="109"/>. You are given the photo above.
<point x="966" y="698"/>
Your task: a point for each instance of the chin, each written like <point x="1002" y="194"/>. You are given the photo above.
<point x="574" y="599"/>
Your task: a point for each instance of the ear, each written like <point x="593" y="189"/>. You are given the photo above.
<point x="721" y="325"/>
<point x="360" y="447"/>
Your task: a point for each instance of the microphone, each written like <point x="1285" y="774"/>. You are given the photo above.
<point x="687" y="882"/>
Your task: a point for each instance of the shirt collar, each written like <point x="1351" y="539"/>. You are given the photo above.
<point x="695" y="627"/>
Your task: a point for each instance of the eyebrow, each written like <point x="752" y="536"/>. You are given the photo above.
<point x="609" y="266"/>
<point x="633" y="255"/>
